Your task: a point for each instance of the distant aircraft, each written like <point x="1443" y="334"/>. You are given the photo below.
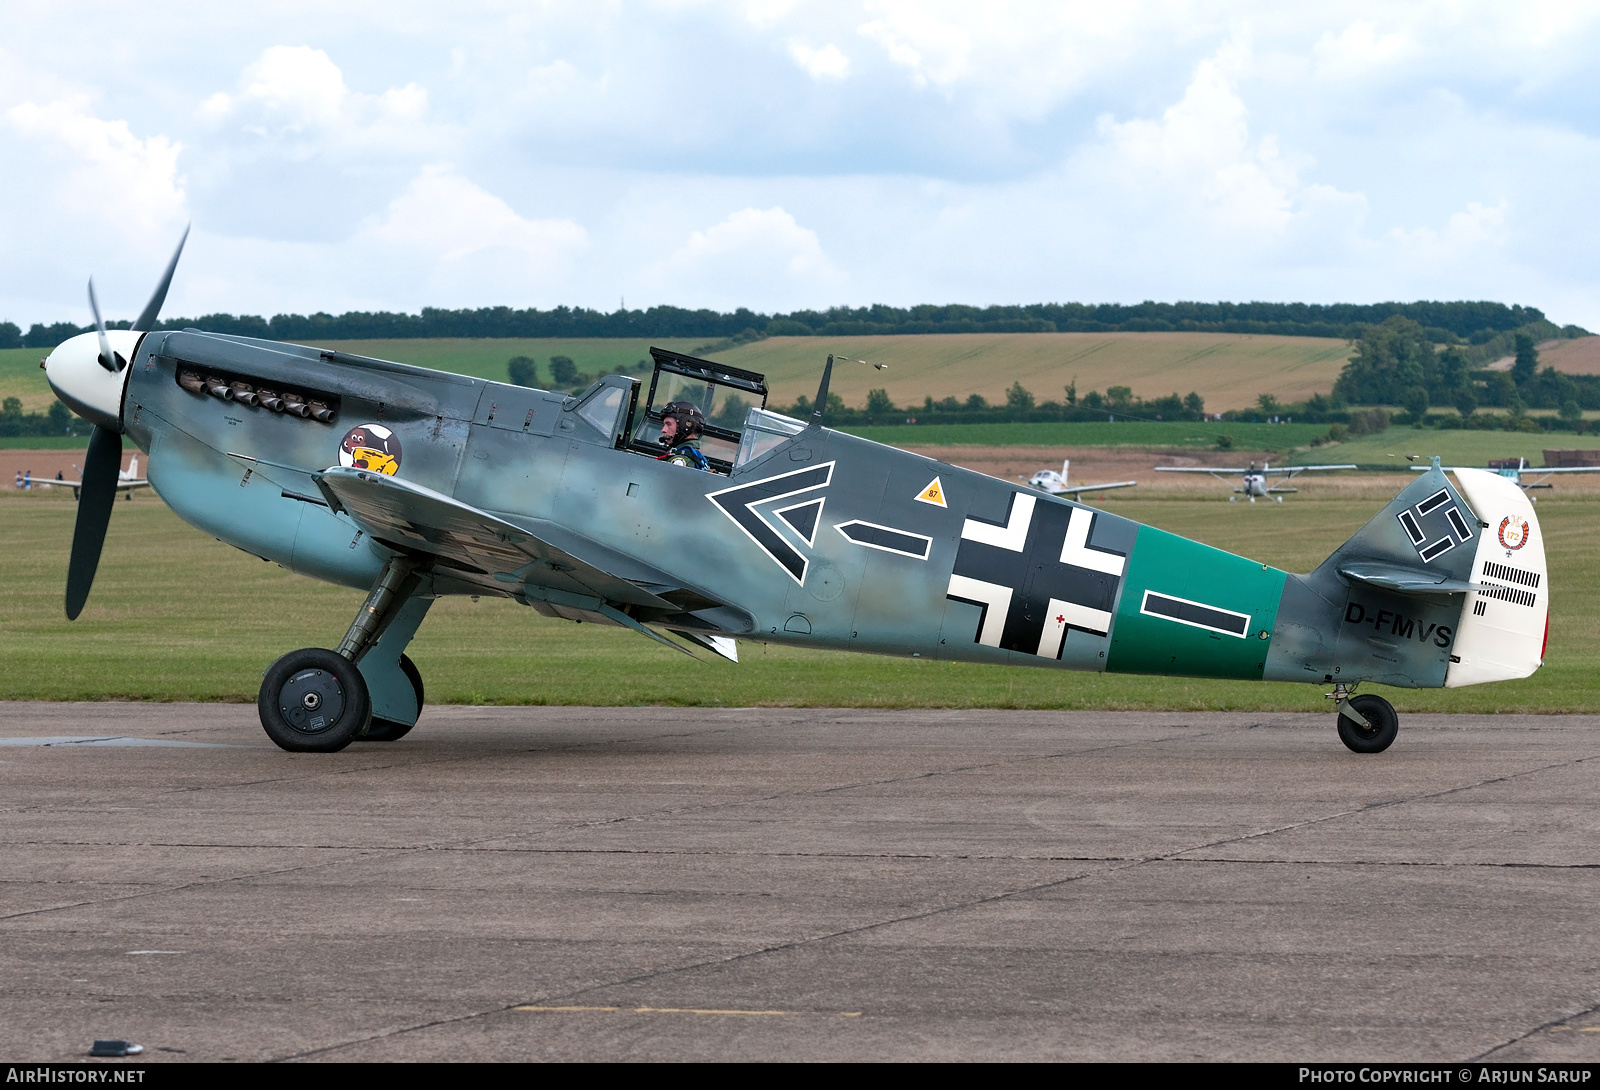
<point x="1255" y="480"/>
<point x="1515" y="472"/>
<point x="128" y="480"/>
<point x="1048" y="480"/>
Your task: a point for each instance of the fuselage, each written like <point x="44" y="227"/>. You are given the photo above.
<point x="822" y="539"/>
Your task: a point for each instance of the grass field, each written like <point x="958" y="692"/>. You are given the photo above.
<point x="1125" y="433"/>
<point x="1471" y="448"/>
<point x="177" y="615"/>
<point x="21" y="377"/>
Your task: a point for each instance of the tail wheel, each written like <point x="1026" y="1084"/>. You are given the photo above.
<point x="1376" y="738"/>
<point x="313" y="701"/>
<point x="387" y="730"/>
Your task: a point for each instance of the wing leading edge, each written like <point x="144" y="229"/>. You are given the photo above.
<point x="481" y="548"/>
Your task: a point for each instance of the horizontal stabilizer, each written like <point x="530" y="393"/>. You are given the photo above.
<point x="1404" y="580"/>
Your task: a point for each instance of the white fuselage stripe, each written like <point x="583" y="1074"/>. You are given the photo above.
<point x="1075" y="549"/>
<point x="1013" y="535"/>
<point x="996" y="599"/>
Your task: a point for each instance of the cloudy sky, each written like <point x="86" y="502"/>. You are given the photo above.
<point x="775" y="154"/>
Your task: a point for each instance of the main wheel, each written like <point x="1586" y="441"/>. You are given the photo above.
<point x="387" y="730"/>
<point x="1376" y="738"/>
<point x="313" y="701"/>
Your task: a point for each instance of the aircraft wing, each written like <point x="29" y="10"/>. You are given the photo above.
<point x="1301" y="469"/>
<point x="1201" y="469"/>
<point x="1077" y="489"/>
<point x="122" y="486"/>
<point x="415" y="519"/>
<point x="1539" y="471"/>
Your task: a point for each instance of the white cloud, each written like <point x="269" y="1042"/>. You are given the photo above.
<point x="1472" y="234"/>
<point x="293" y="92"/>
<point x="754" y="250"/>
<point x="1358" y="51"/>
<point x="825" y="63"/>
<point x="460" y="233"/>
<point x="102" y="171"/>
<point x="1200" y="156"/>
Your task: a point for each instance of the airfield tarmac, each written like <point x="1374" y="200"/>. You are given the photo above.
<point x="664" y="883"/>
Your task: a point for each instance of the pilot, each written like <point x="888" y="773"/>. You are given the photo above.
<point x="681" y="427"/>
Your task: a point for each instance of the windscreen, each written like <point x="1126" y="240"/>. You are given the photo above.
<point x="764" y="430"/>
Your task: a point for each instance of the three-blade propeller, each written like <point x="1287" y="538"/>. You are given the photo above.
<point x="104" y="460"/>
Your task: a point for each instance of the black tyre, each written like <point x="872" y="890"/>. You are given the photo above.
<point x="387" y="730"/>
<point x="1376" y="738"/>
<point x="313" y="701"/>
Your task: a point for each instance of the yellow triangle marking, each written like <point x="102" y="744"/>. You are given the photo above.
<point x="933" y="494"/>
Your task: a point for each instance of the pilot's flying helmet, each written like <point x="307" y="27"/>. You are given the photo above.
<point x="691" y="421"/>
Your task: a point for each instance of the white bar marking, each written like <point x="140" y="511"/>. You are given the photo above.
<point x="1013" y="535"/>
<point x="996" y="598"/>
<point x="1075" y="549"/>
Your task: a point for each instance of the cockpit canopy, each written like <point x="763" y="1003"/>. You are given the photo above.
<point x="724" y="394"/>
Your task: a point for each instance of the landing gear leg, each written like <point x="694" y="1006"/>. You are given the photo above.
<point x="1367" y="724"/>
<point x="392" y="678"/>
<point x="317" y="701"/>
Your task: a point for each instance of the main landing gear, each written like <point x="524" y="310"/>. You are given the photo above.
<point x="319" y="701"/>
<point x="1367" y="724"/>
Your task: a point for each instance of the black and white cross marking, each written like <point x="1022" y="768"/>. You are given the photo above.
<point x="1036" y="576"/>
<point x="739" y="504"/>
<point x="1431" y="534"/>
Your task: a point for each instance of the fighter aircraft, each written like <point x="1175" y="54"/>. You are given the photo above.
<point x="1048" y="480"/>
<point x="1513" y="470"/>
<point x="1255" y="480"/>
<point x="128" y="480"/>
<point x="413" y="484"/>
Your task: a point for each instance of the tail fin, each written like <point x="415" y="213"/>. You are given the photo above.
<point x="1478" y="538"/>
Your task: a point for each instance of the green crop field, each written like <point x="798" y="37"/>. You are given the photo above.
<point x="1147" y="434"/>
<point x="1468" y="448"/>
<point x="176" y="615"/>
<point x="21" y="377"/>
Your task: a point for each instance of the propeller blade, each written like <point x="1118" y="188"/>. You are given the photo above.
<point x="108" y="358"/>
<point x="96" y="496"/>
<point x="152" y="309"/>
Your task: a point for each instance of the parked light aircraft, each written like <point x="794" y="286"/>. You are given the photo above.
<point x="128" y="480"/>
<point x="413" y="484"/>
<point x="1515" y="473"/>
<point x="1048" y="480"/>
<point x="1255" y="480"/>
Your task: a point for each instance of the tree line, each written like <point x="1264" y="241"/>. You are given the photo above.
<point x="1461" y="322"/>
<point x="56" y="420"/>
<point x="1396" y="364"/>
